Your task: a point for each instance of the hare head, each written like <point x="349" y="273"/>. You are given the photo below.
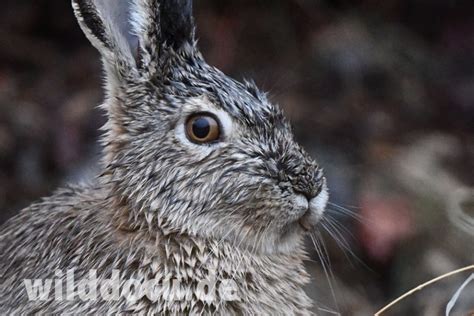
<point x="189" y="150"/>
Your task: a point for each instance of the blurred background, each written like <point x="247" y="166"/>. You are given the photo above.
<point x="380" y="92"/>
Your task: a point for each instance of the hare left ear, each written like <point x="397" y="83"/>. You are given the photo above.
<point x="106" y="24"/>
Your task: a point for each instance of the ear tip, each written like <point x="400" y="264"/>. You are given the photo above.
<point x="78" y="4"/>
<point x="90" y="20"/>
<point x="177" y="22"/>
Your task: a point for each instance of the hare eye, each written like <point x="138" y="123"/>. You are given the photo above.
<point x="202" y="128"/>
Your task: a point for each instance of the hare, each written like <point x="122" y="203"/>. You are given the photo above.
<point x="204" y="193"/>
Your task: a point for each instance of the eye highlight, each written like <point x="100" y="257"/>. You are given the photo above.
<point x="203" y="128"/>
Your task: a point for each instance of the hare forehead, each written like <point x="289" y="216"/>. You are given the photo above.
<point x="243" y="102"/>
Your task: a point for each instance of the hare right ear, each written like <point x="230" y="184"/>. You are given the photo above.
<point x="106" y="24"/>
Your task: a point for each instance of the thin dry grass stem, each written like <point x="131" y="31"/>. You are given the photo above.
<point x="418" y="288"/>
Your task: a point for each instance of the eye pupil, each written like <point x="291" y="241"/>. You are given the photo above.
<point x="201" y="127"/>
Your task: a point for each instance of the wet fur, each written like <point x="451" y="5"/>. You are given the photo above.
<point x="162" y="207"/>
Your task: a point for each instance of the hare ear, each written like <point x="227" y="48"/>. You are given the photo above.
<point x="176" y="22"/>
<point x="135" y="34"/>
<point x="164" y="28"/>
<point x="106" y="24"/>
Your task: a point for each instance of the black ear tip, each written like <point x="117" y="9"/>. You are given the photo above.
<point x="177" y="22"/>
<point x="87" y="12"/>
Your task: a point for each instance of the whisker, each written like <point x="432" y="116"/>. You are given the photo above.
<point x="324" y="264"/>
<point x="333" y="227"/>
<point x="346" y="208"/>
<point x="340" y="226"/>
<point x="336" y="229"/>
<point x="238" y="246"/>
<point x="329" y="311"/>
<point x="326" y="253"/>
<point x="343" y="248"/>
<point x="265" y="230"/>
<point x="211" y="251"/>
<point x="347" y="212"/>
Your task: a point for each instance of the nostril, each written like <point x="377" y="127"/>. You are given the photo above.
<point x="306" y="193"/>
<point x="310" y="187"/>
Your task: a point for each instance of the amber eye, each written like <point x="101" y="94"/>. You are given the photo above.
<point x="202" y="128"/>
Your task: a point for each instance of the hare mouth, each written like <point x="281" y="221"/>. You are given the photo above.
<point x="315" y="212"/>
<point x="305" y="223"/>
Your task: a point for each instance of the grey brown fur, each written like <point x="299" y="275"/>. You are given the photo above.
<point x="164" y="208"/>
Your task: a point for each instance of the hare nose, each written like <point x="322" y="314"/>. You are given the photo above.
<point x="309" y="184"/>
